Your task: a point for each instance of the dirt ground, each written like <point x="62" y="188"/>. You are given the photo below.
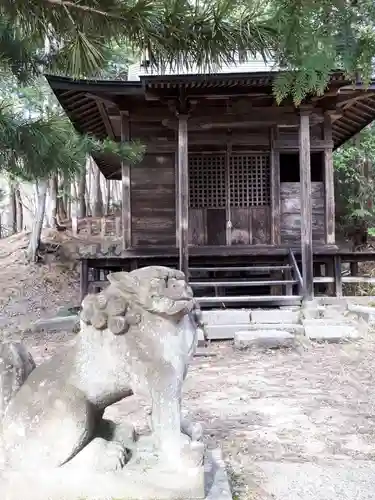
<point x="311" y="405"/>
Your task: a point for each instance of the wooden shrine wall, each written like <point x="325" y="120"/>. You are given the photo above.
<point x="153" y="201"/>
<point x="290" y="201"/>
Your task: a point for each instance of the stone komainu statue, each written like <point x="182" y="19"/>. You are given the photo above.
<point x="137" y="336"/>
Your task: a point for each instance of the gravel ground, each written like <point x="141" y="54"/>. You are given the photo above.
<point x="283" y="406"/>
<point x="314" y="405"/>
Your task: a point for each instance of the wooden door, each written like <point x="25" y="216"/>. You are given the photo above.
<point x="207" y="199"/>
<point x="250" y="199"/>
<point x="229" y="199"/>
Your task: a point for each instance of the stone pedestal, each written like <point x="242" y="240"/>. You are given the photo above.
<point x="209" y="482"/>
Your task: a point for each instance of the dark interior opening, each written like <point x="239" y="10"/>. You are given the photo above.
<point x="289" y="167"/>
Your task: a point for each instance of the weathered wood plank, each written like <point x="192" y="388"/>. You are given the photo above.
<point x="306" y="205"/>
<point x="126" y="188"/>
<point x="183" y="194"/>
<point x="290" y="202"/>
<point x="153" y="201"/>
<point x="208" y="284"/>
<point x="241" y="226"/>
<point x="275" y="190"/>
<point x="260" y="225"/>
<point x="253" y="269"/>
<point x="216" y="226"/>
<point x="197" y="226"/>
<point x="329" y="185"/>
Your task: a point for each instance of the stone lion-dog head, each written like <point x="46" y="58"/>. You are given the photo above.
<point x="154" y="289"/>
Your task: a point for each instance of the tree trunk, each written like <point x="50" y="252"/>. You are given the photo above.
<point x="61" y="208"/>
<point x="36" y="232"/>
<point x="54" y="203"/>
<point x="97" y="210"/>
<point x="82" y="210"/>
<point x="108" y="199"/>
<point x="19" y="209"/>
<point x="13" y="207"/>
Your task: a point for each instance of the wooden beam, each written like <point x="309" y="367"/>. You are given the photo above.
<point x="106" y="120"/>
<point x="329" y="191"/>
<point x="306" y="205"/>
<point x="222" y="120"/>
<point x="126" y="187"/>
<point x="183" y="194"/>
<point x="275" y="189"/>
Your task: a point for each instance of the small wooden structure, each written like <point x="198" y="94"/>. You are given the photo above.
<point x="230" y="182"/>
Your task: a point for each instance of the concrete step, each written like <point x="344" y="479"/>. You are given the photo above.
<point x="223" y="332"/>
<point x="227" y="332"/>
<point x="331" y="330"/>
<point x="274" y="300"/>
<point x="269" y="339"/>
<point x="367" y="313"/>
<point x="226" y="316"/>
<point x="276" y="316"/>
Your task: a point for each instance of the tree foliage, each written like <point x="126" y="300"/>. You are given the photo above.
<point x="355" y="175"/>
<point x="307" y="38"/>
<point x="172" y="32"/>
<point x="316" y="37"/>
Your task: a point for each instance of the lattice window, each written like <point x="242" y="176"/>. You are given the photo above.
<point x="207" y="186"/>
<point x="249" y="180"/>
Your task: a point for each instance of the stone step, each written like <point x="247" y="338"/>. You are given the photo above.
<point x="226" y="316"/>
<point x="269" y="339"/>
<point x="223" y="332"/>
<point x="328" y="321"/>
<point x="363" y="311"/>
<point x="294" y="328"/>
<point x="331" y="330"/>
<point x="275" y="316"/>
<point x="227" y="332"/>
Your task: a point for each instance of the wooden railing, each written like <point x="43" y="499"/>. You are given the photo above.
<point x="296" y="273"/>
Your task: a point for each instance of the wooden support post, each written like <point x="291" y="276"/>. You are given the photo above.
<point x="275" y="190"/>
<point x="338" y="278"/>
<point x="183" y="194"/>
<point x="96" y="276"/>
<point x="306" y="206"/>
<point x="354" y="268"/>
<point x="126" y="187"/>
<point x="329" y="185"/>
<point x="330" y="271"/>
<point x="84" y="278"/>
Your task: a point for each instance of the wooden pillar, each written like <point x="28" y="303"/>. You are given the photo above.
<point x="183" y="194"/>
<point x="329" y="185"/>
<point x="84" y="278"/>
<point x="126" y="187"/>
<point x="306" y="206"/>
<point x="275" y="190"/>
<point x="338" y="278"/>
<point x="354" y="268"/>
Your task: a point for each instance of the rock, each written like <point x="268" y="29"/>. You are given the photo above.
<point x="16" y="364"/>
<point x="270" y="339"/>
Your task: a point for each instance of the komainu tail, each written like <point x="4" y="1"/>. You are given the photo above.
<point x="16" y="364"/>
